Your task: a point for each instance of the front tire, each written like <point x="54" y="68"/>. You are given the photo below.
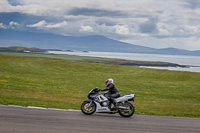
<point x="129" y="112"/>
<point x="86" y="109"/>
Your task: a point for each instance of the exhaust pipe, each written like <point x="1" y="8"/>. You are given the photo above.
<point x="123" y="108"/>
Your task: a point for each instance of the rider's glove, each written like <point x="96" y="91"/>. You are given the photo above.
<point x="99" y="90"/>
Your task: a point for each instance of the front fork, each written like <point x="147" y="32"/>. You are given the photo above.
<point x="89" y="100"/>
<point x="90" y="103"/>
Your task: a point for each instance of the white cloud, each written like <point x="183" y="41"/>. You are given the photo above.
<point x="2" y="26"/>
<point x="122" y="30"/>
<point x="5" y="6"/>
<point x="44" y="25"/>
<point x="86" y="29"/>
<point x="57" y="25"/>
<point x="39" y="25"/>
<point x="164" y="29"/>
<point x="13" y="24"/>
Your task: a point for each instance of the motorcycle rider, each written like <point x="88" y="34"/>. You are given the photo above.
<point x="112" y="91"/>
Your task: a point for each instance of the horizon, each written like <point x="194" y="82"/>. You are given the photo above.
<point x="151" y="23"/>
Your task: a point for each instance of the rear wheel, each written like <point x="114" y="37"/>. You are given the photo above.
<point x="86" y="109"/>
<point x="129" y="111"/>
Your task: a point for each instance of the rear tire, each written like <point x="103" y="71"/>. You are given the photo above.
<point x="129" y="112"/>
<point x="88" y="110"/>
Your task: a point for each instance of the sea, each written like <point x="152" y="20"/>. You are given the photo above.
<point x="192" y="61"/>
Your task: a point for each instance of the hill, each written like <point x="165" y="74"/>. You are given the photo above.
<point x="82" y="43"/>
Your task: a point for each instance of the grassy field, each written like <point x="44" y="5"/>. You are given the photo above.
<point x="58" y="83"/>
<point x="89" y="59"/>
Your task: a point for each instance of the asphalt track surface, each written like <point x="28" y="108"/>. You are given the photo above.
<point x="32" y="120"/>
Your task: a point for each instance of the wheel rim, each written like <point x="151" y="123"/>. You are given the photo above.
<point x="128" y="111"/>
<point x="88" y="109"/>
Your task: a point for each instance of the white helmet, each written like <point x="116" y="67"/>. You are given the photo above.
<point x="109" y="81"/>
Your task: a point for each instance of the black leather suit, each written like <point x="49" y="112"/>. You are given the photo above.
<point x="112" y="92"/>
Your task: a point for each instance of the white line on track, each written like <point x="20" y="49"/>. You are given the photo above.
<point x="32" y="107"/>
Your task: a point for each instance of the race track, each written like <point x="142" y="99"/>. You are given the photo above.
<point x="30" y="120"/>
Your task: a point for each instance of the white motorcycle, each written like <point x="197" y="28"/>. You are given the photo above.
<point x="99" y="103"/>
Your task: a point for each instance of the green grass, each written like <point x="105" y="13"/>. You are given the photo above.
<point x="56" y="56"/>
<point x="82" y="58"/>
<point x="65" y="84"/>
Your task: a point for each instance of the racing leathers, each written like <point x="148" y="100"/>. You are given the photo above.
<point x="112" y="92"/>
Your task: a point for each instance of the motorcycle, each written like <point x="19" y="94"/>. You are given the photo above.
<point x="99" y="103"/>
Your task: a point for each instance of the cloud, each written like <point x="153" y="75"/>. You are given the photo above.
<point x="186" y="31"/>
<point x="5" y="6"/>
<point x="149" y="26"/>
<point x="57" y="25"/>
<point x="192" y="4"/>
<point x="44" y="25"/>
<point x="40" y="24"/>
<point x="2" y="26"/>
<point x="86" y="29"/>
<point x="96" y="12"/>
<point x="14" y="2"/>
<point x="13" y="24"/>
<point x="122" y="30"/>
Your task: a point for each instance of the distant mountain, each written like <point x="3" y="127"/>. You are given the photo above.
<point x="52" y="41"/>
<point x="82" y="43"/>
<point x="174" y="51"/>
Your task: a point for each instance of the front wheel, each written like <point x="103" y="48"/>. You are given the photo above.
<point x="129" y="112"/>
<point x="86" y="109"/>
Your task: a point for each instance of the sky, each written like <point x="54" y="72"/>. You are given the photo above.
<point x="151" y="23"/>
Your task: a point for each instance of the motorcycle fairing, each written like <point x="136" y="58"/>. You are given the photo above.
<point x="125" y="98"/>
<point x="101" y="109"/>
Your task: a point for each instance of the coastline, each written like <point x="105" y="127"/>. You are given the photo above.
<point x="140" y="63"/>
<point x="155" y="61"/>
<point x="137" y="60"/>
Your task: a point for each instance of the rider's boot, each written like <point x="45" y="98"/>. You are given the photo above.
<point x="113" y="102"/>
